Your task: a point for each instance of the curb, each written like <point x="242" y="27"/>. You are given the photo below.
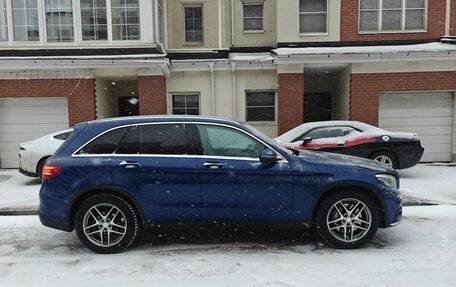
<point x="18" y="211"/>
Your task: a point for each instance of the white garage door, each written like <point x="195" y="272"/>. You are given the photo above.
<point x="26" y="119"/>
<point x="430" y="115"/>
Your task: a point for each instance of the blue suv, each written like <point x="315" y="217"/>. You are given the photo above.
<point x="113" y="177"/>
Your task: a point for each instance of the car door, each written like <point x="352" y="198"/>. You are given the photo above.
<point x="235" y="185"/>
<point x="154" y="162"/>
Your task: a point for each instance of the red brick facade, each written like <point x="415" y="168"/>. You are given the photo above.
<point x="291" y="101"/>
<point x="80" y="94"/>
<point x="152" y="95"/>
<point x="365" y="89"/>
<point x="435" y="23"/>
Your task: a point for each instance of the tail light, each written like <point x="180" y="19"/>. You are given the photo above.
<point x="49" y="172"/>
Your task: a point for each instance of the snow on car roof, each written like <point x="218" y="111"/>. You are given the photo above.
<point x="292" y="134"/>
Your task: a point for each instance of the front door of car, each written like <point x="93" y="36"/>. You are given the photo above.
<point x="153" y="162"/>
<point x="235" y="185"/>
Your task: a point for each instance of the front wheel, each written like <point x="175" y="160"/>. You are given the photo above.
<point x="347" y="219"/>
<point x="106" y="223"/>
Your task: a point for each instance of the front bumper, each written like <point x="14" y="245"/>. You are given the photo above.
<point x="27" y="173"/>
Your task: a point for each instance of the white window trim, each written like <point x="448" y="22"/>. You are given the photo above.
<point x="403" y="30"/>
<point x="193" y="4"/>
<point x="315" y="33"/>
<point x="77" y="21"/>
<point x="275" y="107"/>
<point x="245" y="3"/>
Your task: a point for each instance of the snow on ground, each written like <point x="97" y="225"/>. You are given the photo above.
<point x="432" y="182"/>
<point x="419" y="252"/>
<point x="17" y="190"/>
<point x="435" y="183"/>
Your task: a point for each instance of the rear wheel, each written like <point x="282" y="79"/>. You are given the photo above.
<point x="385" y="158"/>
<point x="39" y="167"/>
<point x="347" y="219"/>
<point x="106" y="223"/>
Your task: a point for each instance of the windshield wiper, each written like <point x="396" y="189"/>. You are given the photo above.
<point x="295" y="151"/>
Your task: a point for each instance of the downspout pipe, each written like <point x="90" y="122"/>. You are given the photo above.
<point x="233" y="70"/>
<point x="211" y="69"/>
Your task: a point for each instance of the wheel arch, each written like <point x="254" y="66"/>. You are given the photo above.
<point x="349" y="186"/>
<point x="88" y="192"/>
<point x="43" y="159"/>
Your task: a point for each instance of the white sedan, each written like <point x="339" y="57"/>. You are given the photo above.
<point x="33" y="154"/>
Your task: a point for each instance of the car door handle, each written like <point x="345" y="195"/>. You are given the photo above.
<point x="129" y="164"/>
<point x="214" y="165"/>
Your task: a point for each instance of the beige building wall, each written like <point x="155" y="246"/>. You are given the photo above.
<point x="176" y="38"/>
<point x="266" y="37"/>
<point x="200" y="82"/>
<point x="288" y="23"/>
<point x="105" y="102"/>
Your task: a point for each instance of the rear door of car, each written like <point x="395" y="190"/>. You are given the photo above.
<point x="155" y="163"/>
<point x="235" y="185"/>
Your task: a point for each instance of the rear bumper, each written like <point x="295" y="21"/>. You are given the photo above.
<point x="410" y="158"/>
<point x="60" y="224"/>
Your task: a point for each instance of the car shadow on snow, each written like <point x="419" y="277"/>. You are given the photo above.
<point x="35" y="181"/>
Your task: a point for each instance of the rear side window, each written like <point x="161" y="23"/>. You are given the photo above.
<point x="63" y="136"/>
<point x="106" y="143"/>
<point x="130" y="142"/>
<point x="163" y="139"/>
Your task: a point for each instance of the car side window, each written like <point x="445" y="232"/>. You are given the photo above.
<point x="328" y="132"/>
<point x="130" y="142"/>
<point x="223" y="141"/>
<point x="107" y="143"/>
<point x="163" y="139"/>
<point x="63" y="136"/>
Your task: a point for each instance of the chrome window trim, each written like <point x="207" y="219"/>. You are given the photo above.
<point x="74" y="154"/>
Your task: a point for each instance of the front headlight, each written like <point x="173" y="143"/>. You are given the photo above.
<point x="387" y="179"/>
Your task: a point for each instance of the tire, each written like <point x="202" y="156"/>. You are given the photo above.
<point x="339" y="214"/>
<point x="39" y="167"/>
<point x="385" y="158"/>
<point x="106" y="223"/>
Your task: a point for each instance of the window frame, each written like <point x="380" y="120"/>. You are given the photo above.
<point x="403" y="29"/>
<point x="74" y="23"/>
<point x="310" y="13"/>
<point x="252" y="31"/>
<point x="171" y="96"/>
<point x="8" y="34"/>
<point x="193" y="5"/>
<point x="108" y="27"/>
<point x="275" y="106"/>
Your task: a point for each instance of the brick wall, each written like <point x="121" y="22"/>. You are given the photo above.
<point x="80" y="94"/>
<point x="365" y="89"/>
<point x="453" y="18"/>
<point x="291" y="101"/>
<point x="349" y="24"/>
<point x="152" y="95"/>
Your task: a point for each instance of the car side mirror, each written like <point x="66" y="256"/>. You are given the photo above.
<point x="268" y="157"/>
<point x="306" y="140"/>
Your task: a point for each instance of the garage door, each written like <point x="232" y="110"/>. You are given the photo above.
<point x="430" y="115"/>
<point x="26" y="119"/>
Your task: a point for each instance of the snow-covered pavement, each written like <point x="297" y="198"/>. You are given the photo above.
<point x="419" y="252"/>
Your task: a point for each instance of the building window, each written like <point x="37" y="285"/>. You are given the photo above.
<point x="313" y="16"/>
<point x="59" y="20"/>
<point x="94" y="20"/>
<point x="125" y="19"/>
<point x="3" y="21"/>
<point x="25" y="20"/>
<point x="253" y="17"/>
<point x="392" y="15"/>
<point x="193" y="24"/>
<point x="186" y="104"/>
<point x="260" y="106"/>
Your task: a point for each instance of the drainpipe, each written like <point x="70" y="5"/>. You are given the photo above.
<point x="211" y="69"/>
<point x="165" y="24"/>
<point x="232" y="22"/>
<point x="157" y="30"/>
<point x="220" y="24"/>
<point x="233" y="70"/>
<point x="447" y="17"/>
